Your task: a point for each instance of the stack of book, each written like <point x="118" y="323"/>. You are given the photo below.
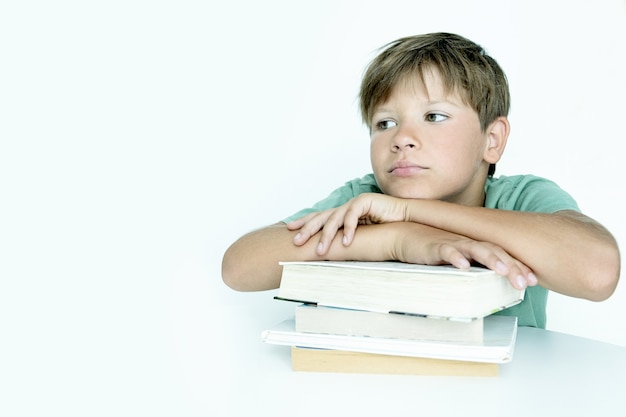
<point x="397" y="318"/>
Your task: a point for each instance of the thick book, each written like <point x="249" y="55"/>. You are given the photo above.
<point x="342" y="361"/>
<point x="334" y="320"/>
<point x="398" y="287"/>
<point x="497" y="345"/>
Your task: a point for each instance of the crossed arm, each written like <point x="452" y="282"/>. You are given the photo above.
<point x="566" y="252"/>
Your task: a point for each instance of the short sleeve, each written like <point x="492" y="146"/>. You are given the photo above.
<point x="341" y="195"/>
<point x="527" y="193"/>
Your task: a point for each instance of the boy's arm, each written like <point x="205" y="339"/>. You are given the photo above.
<point x="251" y="263"/>
<point x="569" y="252"/>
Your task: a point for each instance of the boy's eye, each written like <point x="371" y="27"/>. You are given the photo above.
<point x="386" y="124"/>
<point x="435" y="117"/>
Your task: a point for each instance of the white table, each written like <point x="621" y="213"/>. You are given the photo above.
<point x="552" y="374"/>
<point x="204" y="357"/>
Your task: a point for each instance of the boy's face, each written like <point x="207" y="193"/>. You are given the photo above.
<point x="428" y="144"/>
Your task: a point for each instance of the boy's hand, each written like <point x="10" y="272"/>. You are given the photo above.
<point x="368" y="208"/>
<point x="428" y="246"/>
<point x="432" y="246"/>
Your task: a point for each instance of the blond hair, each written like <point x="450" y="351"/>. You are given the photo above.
<point x="464" y="66"/>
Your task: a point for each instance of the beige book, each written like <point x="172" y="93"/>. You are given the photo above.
<point x="340" y="361"/>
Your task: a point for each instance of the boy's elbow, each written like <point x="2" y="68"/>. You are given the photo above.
<point x="602" y="289"/>
<point x="231" y="275"/>
<point x="603" y="278"/>
<point x="245" y="275"/>
<point x="234" y="281"/>
<point x="230" y="280"/>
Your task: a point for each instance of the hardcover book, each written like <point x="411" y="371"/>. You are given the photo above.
<point x="342" y="361"/>
<point x="333" y="320"/>
<point x="397" y="287"/>
<point x="497" y="345"/>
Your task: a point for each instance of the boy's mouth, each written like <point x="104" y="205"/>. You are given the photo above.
<point x="405" y="168"/>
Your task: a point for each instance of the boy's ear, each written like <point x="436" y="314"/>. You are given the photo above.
<point x="497" y="135"/>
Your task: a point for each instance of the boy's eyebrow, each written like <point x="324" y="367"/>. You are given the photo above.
<point x="451" y="98"/>
<point x="455" y="103"/>
<point x="444" y="101"/>
<point x="381" y="109"/>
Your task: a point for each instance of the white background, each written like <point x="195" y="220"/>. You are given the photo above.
<point x="138" y="139"/>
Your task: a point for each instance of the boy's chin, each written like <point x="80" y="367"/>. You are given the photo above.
<point x="407" y="192"/>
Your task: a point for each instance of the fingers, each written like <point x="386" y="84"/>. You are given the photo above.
<point x="348" y="216"/>
<point x="519" y="275"/>
<point x="307" y="226"/>
<point x="327" y="223"/>
<point x="351" y="221"/>
<point x="491" y="256"/>
<point x="296" y="224"/>
<point x="335" y="221"/>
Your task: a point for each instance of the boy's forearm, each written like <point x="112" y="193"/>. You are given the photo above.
<point x="569" y="252"/>
<point x="251" y="263"/>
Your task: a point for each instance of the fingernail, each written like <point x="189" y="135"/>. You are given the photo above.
<point x="532" y="279"/>
<point x="297" y="236"/>
<point x="520" y="282"/>
<point x="501" y="268"/>
<point x="320" y="248"/>
<point x="345" y="240"/>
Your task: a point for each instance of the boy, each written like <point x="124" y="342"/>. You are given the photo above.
<point x="436" y="106"/>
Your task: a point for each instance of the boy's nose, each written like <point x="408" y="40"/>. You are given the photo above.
<point x="397" y="147"/>
<point x="405" y="139"/>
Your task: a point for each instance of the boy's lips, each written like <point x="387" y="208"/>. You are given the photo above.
<point x="405" y="168"/>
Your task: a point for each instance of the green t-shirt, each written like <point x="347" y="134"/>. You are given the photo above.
<point x="519" y="193"/>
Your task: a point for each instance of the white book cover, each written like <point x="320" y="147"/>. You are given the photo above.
<point x="497" y="345"/>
